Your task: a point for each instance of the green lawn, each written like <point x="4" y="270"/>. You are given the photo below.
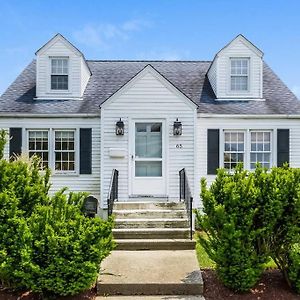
<point x="206" y="263"/>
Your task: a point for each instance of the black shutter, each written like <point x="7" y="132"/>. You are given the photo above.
<point x="213" y="153"/>
<point x="15" y="142"/>
<point x="283" y="146"/>
<point x="85" y="151"/>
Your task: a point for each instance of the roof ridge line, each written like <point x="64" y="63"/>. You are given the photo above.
<point x="136" y="60"/>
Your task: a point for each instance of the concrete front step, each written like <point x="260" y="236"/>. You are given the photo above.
<point x="150" y="273"/>
<point x="148" y="205"/>
<point x="152" y="223"/>
<point x="155" y="244"/>
<point x="149" y="213"/>
<point x="151" y="233"/>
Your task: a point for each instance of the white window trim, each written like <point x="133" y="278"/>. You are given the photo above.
<point x="222" y="144"/>
<point x="27" y="142"/>
<point x="76" y="149"/>
<point x="239" y="92"/>
<point x="248" y="145"/>
<point x="51" y="150"/>
<point x="59" y="92"/>
<point x="271" y="146"/>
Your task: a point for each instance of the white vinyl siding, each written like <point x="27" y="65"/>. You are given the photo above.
<point x="220" y="72"/>
<point x="247" y="125"/>
<point x="148" y="98"/>
<point x="85" y="75"/>
<point x="212" y="75"/>
<point x="78" y="73"/>
<point x="77" y="182"/>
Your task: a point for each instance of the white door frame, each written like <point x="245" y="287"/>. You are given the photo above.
<point x="131" y="147"/>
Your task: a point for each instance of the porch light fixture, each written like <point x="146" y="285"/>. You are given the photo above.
<point x="120" y="127"/>
<point x="90" y="206"/>
<point x="177" y="128"/>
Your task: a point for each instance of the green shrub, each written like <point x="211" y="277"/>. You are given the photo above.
<point x="229" y="220"/>
<point x="15" y="243"/>
<point x="68" y="246"/>
<point x="47" y="245"/>
<point x="293" y="270"/>
<point x="249" y="216"/>
<point x="286" y="223"/>
<point x="22" y="189"/>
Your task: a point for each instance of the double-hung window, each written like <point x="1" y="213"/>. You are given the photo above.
<point x="38" y="145"/>
<point x="260" y="149"/>
<point x="234" y="148"/>
<point x="59" y="73"/>
<point x="64" y="150"/>
<point x="239" y="74"/>
<point x="248" y="147"/>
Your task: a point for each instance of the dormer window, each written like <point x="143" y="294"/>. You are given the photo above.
<point x="59" y="73"/>
<point x="239" y="74"/>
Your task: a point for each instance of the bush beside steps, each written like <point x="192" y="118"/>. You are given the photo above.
<point x="47" y="245"/>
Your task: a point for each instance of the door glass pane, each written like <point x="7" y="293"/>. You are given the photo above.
<point x="148" y="168"/>
<point x="148" y="140"/>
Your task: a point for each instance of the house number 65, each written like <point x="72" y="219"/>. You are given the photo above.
<point x="179" y="146"/>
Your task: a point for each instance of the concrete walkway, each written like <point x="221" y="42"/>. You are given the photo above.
<point x="161" y="272"/>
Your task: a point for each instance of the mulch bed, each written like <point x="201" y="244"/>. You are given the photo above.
<point x="7" y="295"/>
<point x="272" y="286"/>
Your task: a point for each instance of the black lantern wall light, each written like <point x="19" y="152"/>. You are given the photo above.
<point x="120" y="127"/>
<point x="177" y="127"/>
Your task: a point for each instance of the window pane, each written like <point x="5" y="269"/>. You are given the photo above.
<point x="239" y="83"/>
<point x="233" y="149"/>
<point x="59" y="82"/>
<point x="148" y="143"/>
<point x="38" y="145"/>
<point x="156" y="127"/>
<point x="59" y="66"/>
<point x="64" y="150"/>
<point x="260" y="149"/>
<point x="148" y="169"/>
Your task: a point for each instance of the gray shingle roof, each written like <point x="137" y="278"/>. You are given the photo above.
<point x="109" y="76"/>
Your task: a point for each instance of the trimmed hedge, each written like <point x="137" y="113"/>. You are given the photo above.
<point x="47" y="245"/>
<point x="248" y="217"/>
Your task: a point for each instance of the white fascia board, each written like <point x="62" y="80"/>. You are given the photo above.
<point x="240" y="99"/>
<point x="158" y="76"/>
<point x="244" y="116"/>
<point x="30" y="115"/>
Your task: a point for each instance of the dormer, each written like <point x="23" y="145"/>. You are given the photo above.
<point x="236" y="72"/>
<point x="61" y="70"/>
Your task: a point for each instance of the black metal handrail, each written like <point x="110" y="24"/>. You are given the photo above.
<point x="186" y="196"/>
<point x="113" y="191"/>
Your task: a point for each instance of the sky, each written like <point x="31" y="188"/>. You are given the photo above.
<point x="151" y="30"/>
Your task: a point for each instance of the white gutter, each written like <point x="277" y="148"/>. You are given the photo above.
<point x="29" y="115"/>
<point x="237" y="116"/>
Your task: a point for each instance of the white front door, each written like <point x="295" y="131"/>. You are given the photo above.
<point x="148" y="165"/>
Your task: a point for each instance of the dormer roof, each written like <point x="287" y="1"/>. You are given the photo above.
<point x="244" y="40"/>
<point x="60" y="37"/>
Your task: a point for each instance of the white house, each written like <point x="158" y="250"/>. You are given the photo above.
<point x="149" y="119"/>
